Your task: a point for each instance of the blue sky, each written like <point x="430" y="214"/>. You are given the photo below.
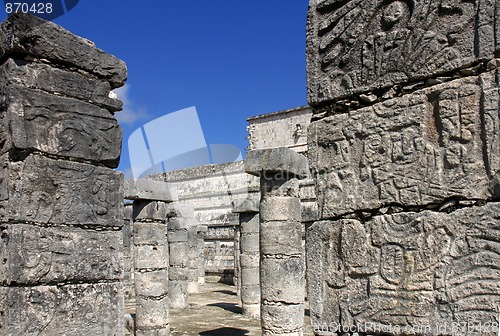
<point x="230" y="59"/>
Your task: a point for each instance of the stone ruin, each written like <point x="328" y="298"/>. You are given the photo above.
<point x="404" y="148"/>
<point x="61" y="212"/>
<point x="401" y="228"/>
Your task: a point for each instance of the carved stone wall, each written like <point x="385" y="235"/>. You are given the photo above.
<point x="404" y="148"/>
<point x="61" y="211"/>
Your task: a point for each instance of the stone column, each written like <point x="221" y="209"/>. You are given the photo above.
<point x="179" y="220"/>
<point x="202" y="230"/>
<point x="151" y="259"/>
<point x="193" y="257"/>
<point x="281" y="256"/>
<point x="236" y="256"/>
<point x="248" y="211"/>
<point x="128" y="270"/>
<point x="61" y="209"/>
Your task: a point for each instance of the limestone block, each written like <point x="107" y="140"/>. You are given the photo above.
<point x="37" y="255"/>
<point x="178" y="236"/>
<point x="250" y="294"/>
<point x="249" y="242"/>
<point x="276" y="160"/>
<point x="46" y="191"/>
<point x="282" y="318"/>
<point x="178" y="294"/>
<point x="27" y="34"/>
<point x="61" y="126"/>
<point x="152" y="284"/>
<point x="358" y="46"/>
<point x="285" y="244"/>
<point x="250" y="276"/>
<point x="72" y="310"/>
<point x="153" y="312"/>
<point x="144" y="189"/>
<point x="417" y="149"/>
<point x="177" y="273"/>
<point x="151" y="256"/>
<point x="279" y="209"/>
<point x="249" y="223"/>
<point x="149" y="233"/>
<point x="246" y="205"/>
<point x="425" y="269"/>
<point x="150" y="211"/>
<point x="250" y="261"/>
<point x="280" y="279"/>
<point x="178" y="254"/>
<point x="40" y="76"/>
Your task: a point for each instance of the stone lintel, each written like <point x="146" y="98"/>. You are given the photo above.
<point x="279" y="160"/>
<point x="245" y="205"/>
<point x="143" y="189"/>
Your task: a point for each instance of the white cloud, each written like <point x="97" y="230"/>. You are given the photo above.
<point x="131" y="112"/>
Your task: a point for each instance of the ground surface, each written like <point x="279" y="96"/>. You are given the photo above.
<point x="215" y="311"/>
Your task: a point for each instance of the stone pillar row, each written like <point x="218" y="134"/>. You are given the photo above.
<point x="61" y="202"/>
<point x="281" y="254"/>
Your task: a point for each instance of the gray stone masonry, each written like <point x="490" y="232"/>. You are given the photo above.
<point x="61" y="206"/>
<point x="179" y="220"/>
<point x="248" y="210"/>
<point x="281" y="253"/>
<point x="151" y="268"/>
<point x="404" y="149"/>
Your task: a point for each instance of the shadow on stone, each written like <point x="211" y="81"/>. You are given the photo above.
<point x="225" y="332"/>
<point x="233" y="308"/>
<point x="227" y="292"/>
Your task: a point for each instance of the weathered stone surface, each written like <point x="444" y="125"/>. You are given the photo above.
<point x="279" y="279"/>
<point x="61" y="126"/>
<point x="27" y="34"/>
<point x="150" y="211"/>
<point x="358" y="46"/>
<point x="35" y="255"/>
<point x="266" y="162"/>
<point x="40" y="76"/>
<point x="154" y="313"/>
<point x="149" y="233"/>
<point x="414" y="150"/>
<point x="279" y="209"/>
<point x="426" y="270"/>
<point x="152" y="284"/>
<point x="282" y="319"/>
<point x="283" y="238"/>
<point x="246" y="205"/>
<point x="151" y="257"/>
<point x="144" y="189"/>
<point x="178" y="254"/>
<point x="47" y="191"/>
<point x="178" y="294"/>
<point x="249" y="243"/>
<point x="72" y="310"/>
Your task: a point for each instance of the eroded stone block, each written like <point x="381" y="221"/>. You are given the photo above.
<point x="421" y="270"/>
<point x="414" y="150"/>
<point x="40" y="76"/>
<point x="357" y="46"/>
<point x="47" y="191"/>
<point x="152" y="284"/>
<point x="61" y="126"/>
<point x="72" y="310"/>
<point x="26" y="34"/>
<point x="144" y="189"/>
<point x="37" y="255"/>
